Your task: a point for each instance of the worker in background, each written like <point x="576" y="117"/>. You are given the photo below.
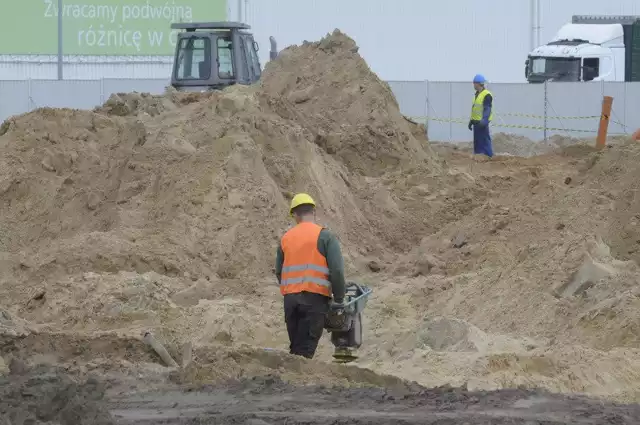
<point x="310" y="269"/>
<point x="481" y="116"/>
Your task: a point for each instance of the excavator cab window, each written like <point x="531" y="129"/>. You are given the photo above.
<point x="194" y="59"/>
<point x="255" y="61"/>
<point x="225" y="58"/>
<point x="244" y="71"/>
<point x="251" y="66"/>
<point x="214" y="55"/>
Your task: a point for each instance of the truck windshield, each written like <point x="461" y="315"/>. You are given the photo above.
<point x="556" y="69"/>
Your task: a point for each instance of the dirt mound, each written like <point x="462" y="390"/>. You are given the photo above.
<point x="164" y="212"/>
<point x="200" y="188"/>
<point x="332" y="92"/>
<point x="126" y="104"/>
<point x="145" y="104"/>
<point x="546" y="269"/>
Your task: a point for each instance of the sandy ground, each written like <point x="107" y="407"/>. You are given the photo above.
<point x="49" y="395"/>
<point x="162" y="214"/>
<point x="273" y="404"/>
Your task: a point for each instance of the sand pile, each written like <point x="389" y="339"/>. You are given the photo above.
<point x="351" y="112"/>
<point x="164" y="212"/>
<point x="146" y="183"/>
<point x="534" y="287"/>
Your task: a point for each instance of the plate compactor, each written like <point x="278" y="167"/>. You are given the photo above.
<point x="345" y="323"/>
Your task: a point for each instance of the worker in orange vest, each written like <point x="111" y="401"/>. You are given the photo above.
<point x="310" y="269"/>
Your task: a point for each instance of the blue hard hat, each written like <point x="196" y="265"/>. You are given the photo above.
<point x="479" y="78"/>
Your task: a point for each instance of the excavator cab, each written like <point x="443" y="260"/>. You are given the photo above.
<point x="214" y="55"/>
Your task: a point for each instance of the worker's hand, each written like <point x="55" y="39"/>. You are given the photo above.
<point x="483" y="123"/>
<point x="470" y="125"/>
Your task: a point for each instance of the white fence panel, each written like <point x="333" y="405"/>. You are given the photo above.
<point x="440" y="111"/>
<point x="631" y="115"/>
<point x="573" y="108"/>
<point x="530" y="110"/>
<point x="411" y="97"/>
<point x="78" y="94"/>
<point x="14" y="98"/>
<point x="461" y="97"/>
<point x="618" y="91"/>
<point x="156" y="86"/>
<point x="519" y="109"/>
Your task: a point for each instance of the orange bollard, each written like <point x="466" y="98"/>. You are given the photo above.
<point x="636" y="135"/>
<point x="607" y="103"/>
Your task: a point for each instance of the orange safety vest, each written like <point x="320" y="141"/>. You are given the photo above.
<point x="304" y="268"/>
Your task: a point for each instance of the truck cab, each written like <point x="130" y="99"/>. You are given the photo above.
<point x="590" y="48"/>
<point x="214" y="55"/>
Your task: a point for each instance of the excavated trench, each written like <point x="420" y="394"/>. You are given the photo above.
<point x="48" y="395"/>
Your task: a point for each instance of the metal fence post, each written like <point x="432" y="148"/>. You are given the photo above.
<point x="450" y="111"/>
<point x="101" y="90"/>
<point x="426" y="107"/>
<point x="30" y="98"/>
<point x="602" y="89"/>
<point x="426" y="98"/>
<point x="60" y="42"/>
<point x="546" y="103"/>
<point x="624" y="110"/>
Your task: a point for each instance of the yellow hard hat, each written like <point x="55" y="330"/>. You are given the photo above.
<point x="301" y="199"/>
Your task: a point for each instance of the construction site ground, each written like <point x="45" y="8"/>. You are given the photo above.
<point x="52" y="397"/>
<point x="505" y="289"/>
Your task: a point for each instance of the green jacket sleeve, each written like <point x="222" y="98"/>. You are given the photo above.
<point x="279" y="263"/>
<point x="329" y="246"/>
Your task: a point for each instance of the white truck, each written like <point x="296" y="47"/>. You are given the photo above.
<point x="590" y="48"/>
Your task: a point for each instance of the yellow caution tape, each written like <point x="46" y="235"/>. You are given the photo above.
<point x="516" y="114"/>
<point x="423" y="120"/>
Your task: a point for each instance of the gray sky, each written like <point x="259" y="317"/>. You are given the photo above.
<point x="450" y="40"/>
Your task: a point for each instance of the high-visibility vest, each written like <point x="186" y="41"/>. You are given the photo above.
<point x="478" y="106"/>
<point x="304" y="267"/>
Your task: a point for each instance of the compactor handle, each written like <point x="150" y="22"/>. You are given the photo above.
<point x="363" y="292"/>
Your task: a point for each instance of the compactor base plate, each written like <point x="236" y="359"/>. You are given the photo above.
<point x="343" y="355"/>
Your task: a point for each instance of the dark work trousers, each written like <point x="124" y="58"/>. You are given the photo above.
<point x="304" y="314"/>
<point x="482" y="140"/>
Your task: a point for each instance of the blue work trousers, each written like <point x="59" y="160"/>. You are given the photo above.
<point x="482" y="140"/>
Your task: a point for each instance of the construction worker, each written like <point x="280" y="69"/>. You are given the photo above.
<point x="481" y="116"/>
<point x="310" y="269"/>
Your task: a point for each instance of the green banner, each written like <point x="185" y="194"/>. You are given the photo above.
<point x="101" y="27"/>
